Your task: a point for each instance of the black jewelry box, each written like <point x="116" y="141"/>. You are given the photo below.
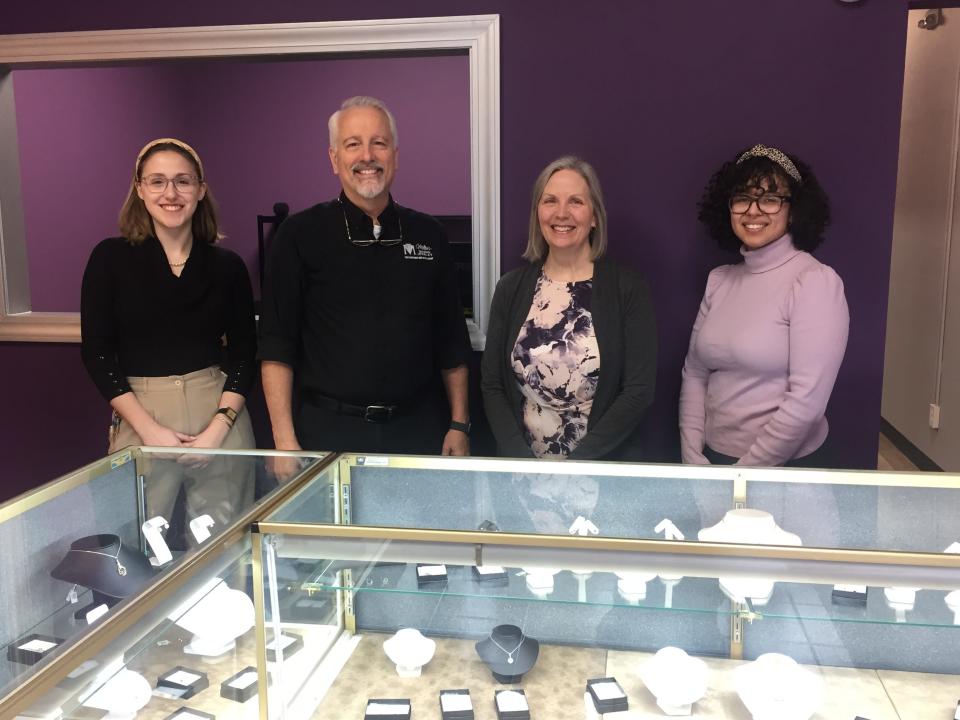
<point x="240" y="687"/>
<point x="290" y="643"/>
<point x="523" y="714"/>
<point x="371" y="712"/>
<point x="186" y="713"/>
<point x="855" y="595"/>
<point x="183" y="687"/>
<point x="489" y="573"/>
<point x="427" y="573"/>
<point x="455" y="713"/>
<point x="32" y="649"/>
<point x="607" y="704"/>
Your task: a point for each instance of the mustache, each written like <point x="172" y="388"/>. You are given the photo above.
<point x="372" y="165"/>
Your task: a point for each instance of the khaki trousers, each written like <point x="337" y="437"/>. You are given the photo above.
<point x="222" y="488"/>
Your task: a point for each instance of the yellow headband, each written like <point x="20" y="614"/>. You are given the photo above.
<point x="164" y="141"/>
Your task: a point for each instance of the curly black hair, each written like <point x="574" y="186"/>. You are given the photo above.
<point x="809" y="206"/>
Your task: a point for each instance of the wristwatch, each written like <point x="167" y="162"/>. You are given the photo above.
<point x="462" y="427"/>
<point x="229" y="413"/>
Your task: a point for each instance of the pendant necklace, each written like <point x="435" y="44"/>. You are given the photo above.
<point x="509" y="653"/>
<point x="121" y="568"/>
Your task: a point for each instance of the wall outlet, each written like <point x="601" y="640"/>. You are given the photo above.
<point x="934" y="416"/>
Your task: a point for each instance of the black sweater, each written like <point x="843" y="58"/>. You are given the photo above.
<point x="626" y="335"/>
<point x="139" y="319"/>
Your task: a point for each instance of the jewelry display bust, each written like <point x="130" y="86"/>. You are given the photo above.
<point x="106" y="565"/>
<point x="754" y="527"/>
<point x="216" y="615"/>
<point x="775" y="687"/>
<point x="675" y="679"/>
<point x="509" y="653"/>
<point x="409" y="650"/>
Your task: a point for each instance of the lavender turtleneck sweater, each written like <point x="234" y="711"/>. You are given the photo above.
<point x="764" y="354"/>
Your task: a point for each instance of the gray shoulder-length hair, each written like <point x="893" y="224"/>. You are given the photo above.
<point x="537" y="247"/>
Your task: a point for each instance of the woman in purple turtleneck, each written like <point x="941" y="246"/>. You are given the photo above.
<point x="772" y="330"/>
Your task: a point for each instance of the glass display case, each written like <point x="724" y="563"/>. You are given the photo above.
<point x="84" y="552"/>
<point x="599" y="588"/>
<point x="374" y="586"/>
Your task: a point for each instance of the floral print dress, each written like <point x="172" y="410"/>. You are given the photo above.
<point x="556" y="361"/>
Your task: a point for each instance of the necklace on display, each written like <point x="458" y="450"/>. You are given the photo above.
<point x="121" y="568"/>
<point x="179" y="264"/>
<point x="509" y="653"/>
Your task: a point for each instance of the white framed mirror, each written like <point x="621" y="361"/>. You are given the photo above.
<point x="477" y="36"/>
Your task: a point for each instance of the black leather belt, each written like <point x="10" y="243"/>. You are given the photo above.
<point x="370" y="413"/>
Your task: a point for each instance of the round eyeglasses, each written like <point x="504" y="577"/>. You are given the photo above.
<point x="157" y="184"/>
<point x="767" y="204"/>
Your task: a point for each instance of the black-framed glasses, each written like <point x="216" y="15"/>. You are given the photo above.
<point x="386" y="242"/>
<point x="767" y="204"/>
<point x="157" y="184"/>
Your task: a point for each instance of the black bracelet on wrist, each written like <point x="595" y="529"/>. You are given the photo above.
<point x="462" y="427"/>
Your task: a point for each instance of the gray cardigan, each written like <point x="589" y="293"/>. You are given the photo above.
<point x="627" y="338"/>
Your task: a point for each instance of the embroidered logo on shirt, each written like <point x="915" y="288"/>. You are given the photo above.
<point x="417" y="251"/>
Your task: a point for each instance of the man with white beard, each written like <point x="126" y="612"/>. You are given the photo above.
<point x="363" y="342"/>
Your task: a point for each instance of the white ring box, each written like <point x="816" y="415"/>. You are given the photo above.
<point x="186" y="713"/>
<point x="391" y="709"/>
<point x="240" y="687"/>
<point x="511" y="705"/>
<point x="431" y="574"/>
<point x="288" y="645"/>
<point x="32" y="649"/>
<point x="489" y="573"/>
<point x="456" y="705"/>
<point x="607" y="695"/>
<point x="182" y="682"/>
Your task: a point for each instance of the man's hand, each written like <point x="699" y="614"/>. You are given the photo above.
<point x="285" y="467"/>
<point x="456" y="443"/>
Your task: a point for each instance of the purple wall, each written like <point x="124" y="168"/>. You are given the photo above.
<point x="260" y="128"/>
<point x="656" y="98"/>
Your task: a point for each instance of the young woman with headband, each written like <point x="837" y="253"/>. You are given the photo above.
<point x="772" y="329"/>
<point x="167" y="317"/>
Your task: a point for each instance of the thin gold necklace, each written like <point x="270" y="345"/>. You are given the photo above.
<point x="121" y="568"/>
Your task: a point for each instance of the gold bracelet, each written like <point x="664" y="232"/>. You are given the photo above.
<point x="225" y="419"/>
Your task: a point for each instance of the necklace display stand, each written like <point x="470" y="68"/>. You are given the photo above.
<point x="107" y="566"/>
<point x="540" y="580"/>
<point x="953" y="602"/>
<point x="675" y="679"/>
<point x="754" y="527"/>
<point x="509" y="653"/>
<point x="901" y="600"/>
<point x="670" y="580"/>
<point x="409" y="650"/>
<point x="632" y="585"/>
<point x="775" y="687"/>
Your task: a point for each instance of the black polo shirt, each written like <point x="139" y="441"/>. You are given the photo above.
<point x="362" y="325"/>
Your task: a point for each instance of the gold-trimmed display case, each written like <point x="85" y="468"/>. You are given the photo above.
<point x="841" y="583"/>
<point x="85" y="587"/>
<point x="822" y="591"/>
